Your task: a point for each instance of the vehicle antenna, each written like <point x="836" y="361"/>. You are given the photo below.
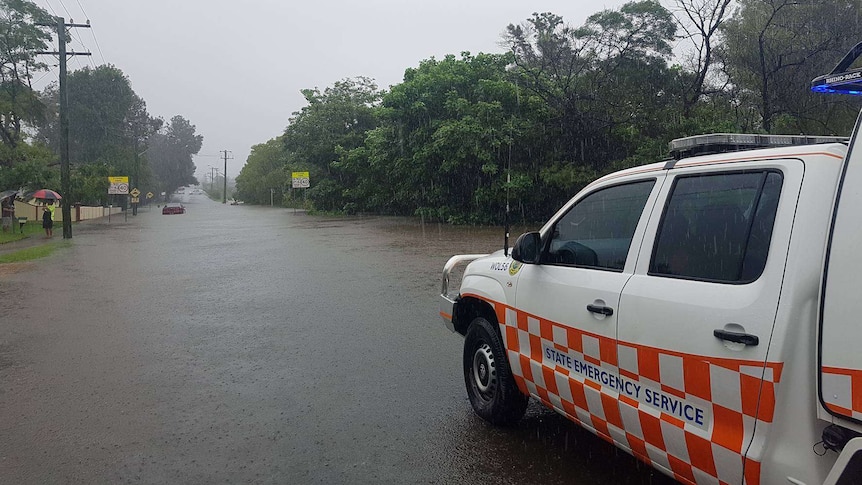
<point x="509" y="173"/>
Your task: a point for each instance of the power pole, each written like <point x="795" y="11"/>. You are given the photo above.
<point x="224" y="193"/>
<point x="65" y="179"/>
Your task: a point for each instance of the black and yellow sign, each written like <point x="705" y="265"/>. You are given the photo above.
<point x="150" y="195"/>
<point x="135" y="192"/>
<point x="135" y="200"/>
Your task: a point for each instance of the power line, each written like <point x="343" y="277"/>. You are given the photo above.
<point x="66" y="9"/>
<point x="79" y="38"/>
<point x="92" y="32"/>
<point x="51" y="8"/>
<point x="84" y="46"/>
<point x="98" y="48"/>
<point x="74" y="34"/>
<point x="82" y="8"/>
<point x="43" y="76"/>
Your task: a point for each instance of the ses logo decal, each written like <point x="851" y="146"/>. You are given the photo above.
<point x="515" y="267"/>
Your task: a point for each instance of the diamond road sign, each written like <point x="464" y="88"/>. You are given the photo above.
<point x="135" y="192"/>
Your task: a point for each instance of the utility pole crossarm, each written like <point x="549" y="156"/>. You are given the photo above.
<point x="73" y="53"/>
<point x="60" y="19"/>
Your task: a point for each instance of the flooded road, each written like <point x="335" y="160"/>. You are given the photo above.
<point x="237" y="344"/>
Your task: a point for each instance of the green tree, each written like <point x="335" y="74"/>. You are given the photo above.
<point x="108" y="127"/>
<point x="631" y="83"/>
<point x="35" y="167"/>
<point x="169" y="153"/>
<point x="601" y="91"/>
<point x="20" y="41"/>
<point x="562" y="107"/>
<point x="773" y="48"/>
<point x="139" y="127"/>
<point x="263" y="172"/>
<point x="597" y="79"/>
<point x="444" y="141"/>
<point x="700" y="21"/>
<point x="99" y="101"/>
<point x="334" y="122"/>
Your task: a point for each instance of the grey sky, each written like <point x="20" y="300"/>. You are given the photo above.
<point x="235" y="69"/>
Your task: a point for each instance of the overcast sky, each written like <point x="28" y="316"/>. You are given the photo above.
<point x="234" y="69"/>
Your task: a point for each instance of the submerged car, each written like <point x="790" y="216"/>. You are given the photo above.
<point x="173" y="208"/>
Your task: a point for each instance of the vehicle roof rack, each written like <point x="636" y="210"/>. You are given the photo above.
<point x="842" y="80"/>
<point x="734" y="142"/>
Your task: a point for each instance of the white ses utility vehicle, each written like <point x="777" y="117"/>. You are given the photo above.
<point x="703" y="314"/>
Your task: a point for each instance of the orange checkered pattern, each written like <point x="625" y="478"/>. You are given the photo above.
<point x="737" y="394"/>
<point x="842" y="391"/>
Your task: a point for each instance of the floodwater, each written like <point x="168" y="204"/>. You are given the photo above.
<point x="238" y="344"/>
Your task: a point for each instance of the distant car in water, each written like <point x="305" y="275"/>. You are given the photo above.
<point x="173" y="208"/>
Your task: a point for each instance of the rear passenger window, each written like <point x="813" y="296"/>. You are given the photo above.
<point x="598" y="230"/>
<point x="718" y="227"/>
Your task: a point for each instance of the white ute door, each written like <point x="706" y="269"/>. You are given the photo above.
<point x="561" y="335"/>
<point x="696" y="318"/>
<point x="840" y="301"/>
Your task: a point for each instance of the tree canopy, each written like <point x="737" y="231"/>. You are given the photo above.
<point x="461" y="137"/>
<point x="170" y="151"/>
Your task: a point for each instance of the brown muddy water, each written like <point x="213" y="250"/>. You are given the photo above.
<point x="238" y="344"/>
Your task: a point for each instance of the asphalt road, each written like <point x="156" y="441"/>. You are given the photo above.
<point x="238" y="344"/>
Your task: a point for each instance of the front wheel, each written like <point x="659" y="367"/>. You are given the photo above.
<point x="490" y="385"/>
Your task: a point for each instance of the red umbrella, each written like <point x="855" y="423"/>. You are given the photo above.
<point x="46" y="194"/>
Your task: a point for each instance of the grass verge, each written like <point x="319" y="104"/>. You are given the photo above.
<point x="17" y="233"/>
<point x="29" y="254"/>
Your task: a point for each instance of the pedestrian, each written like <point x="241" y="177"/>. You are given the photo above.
<point x="48" y="219"/>
<point x="8" y="214"/>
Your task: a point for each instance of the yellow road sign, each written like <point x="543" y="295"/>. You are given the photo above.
<point x="300" y="180"/>
<point x="135" y="192"/>
<point x="149" y="195"/>
<point x="118" y="185"/>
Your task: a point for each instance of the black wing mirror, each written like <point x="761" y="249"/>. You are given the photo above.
<point x="527" y="248"/>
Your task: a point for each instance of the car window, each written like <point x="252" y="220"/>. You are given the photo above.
<point x="597" y="231"/>
<point x="717" y="227"/>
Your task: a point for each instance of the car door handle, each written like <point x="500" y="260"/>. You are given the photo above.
<point x="737" y="337"/>
<point x="601" y="310"/>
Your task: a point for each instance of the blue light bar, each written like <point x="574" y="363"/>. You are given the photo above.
<point x="841" y="80"/>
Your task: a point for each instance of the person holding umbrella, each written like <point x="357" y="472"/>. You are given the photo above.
<point x="48" y="212"/>
<point x="48" y="219"/>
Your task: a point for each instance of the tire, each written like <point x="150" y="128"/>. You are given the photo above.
<point x="490" y="386"/>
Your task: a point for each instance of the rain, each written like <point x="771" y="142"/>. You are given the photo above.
<point x="254" y="204"/>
